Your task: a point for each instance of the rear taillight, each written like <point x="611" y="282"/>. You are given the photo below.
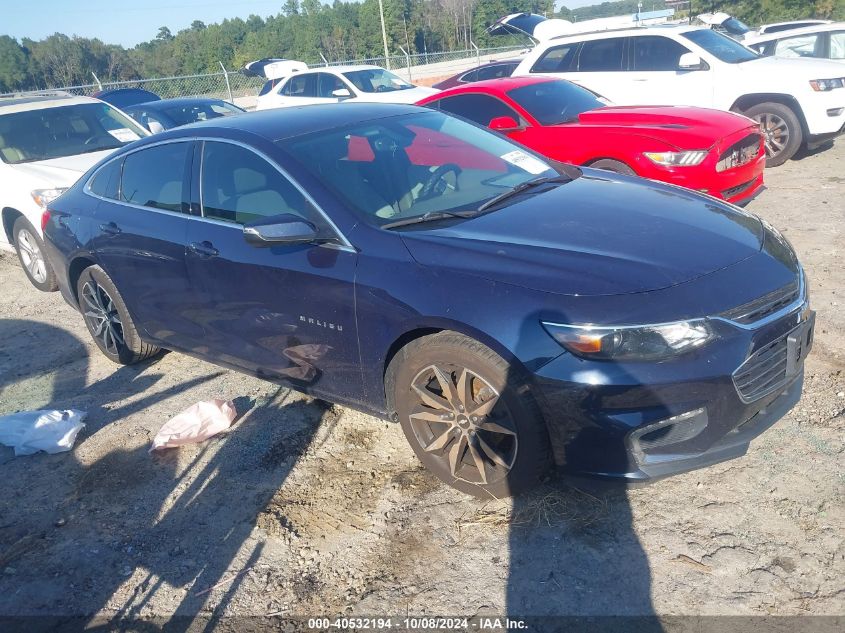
<point x="45" y="218"/>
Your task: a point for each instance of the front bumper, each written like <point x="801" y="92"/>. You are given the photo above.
<point x="620" y="421"/>
<point x="737" y="185"/>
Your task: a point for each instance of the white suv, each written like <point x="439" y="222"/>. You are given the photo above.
<point x="334" y="84"/>
<point x="797" y="101"/>
<point x="47" y="142"/>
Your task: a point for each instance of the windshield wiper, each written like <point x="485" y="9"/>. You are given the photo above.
<point x="431" y="216"/>
<point x="522" y="187"/>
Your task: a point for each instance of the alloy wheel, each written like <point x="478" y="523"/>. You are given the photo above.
<point x="31" y="256"/>
<point x="455" y="417"/>
<point x="102" y="317"/>
<point x="775" y="132"/>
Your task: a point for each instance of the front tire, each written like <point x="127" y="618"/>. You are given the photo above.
<point x="107" y="319"/>
<point x="30" y="249"/>
<point x="469" y="415"/>
<point x="781" y="130"/>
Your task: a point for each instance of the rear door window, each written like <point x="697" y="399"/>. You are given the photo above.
<point x="154" y="177"/>
<point x="495" y="72"/>
<point x="837" y="45"/>
<point x="559" y="59"/>
<point x="105" y="182"/>
<point x="601" y="55"/>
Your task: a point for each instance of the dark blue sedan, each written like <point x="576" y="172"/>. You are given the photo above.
<point x="508" y="312"/>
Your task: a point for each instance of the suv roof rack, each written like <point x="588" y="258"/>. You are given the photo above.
<point x="632" y="27"/>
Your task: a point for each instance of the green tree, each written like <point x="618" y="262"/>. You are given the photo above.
<point x="13" y="64"/>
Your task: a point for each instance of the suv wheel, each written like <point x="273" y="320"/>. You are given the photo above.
<point x="468" y="416"/>
<point x="781" y="131"/>
<point x="30" y="249"/>
<point x="108" y="320"/>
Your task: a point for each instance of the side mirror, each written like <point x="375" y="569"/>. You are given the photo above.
<point x="504" y="124"/>
<point x="281" y="229"/>
<point x="341" y="93"/>
<point x="691" y="61"/>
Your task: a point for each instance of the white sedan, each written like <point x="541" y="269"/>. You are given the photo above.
<point x="334" y="84"/>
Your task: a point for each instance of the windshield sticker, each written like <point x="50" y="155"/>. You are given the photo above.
<point x="525" y="161"/>
<point x="124" y="134"/>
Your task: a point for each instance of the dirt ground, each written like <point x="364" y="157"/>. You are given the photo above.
<point x="304" y="509"/>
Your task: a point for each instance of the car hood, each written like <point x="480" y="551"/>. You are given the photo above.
<point x="685" y="127"/>
<point x="60" y="172"/>
<point x="596" y="235"/>
<point x="787" y="67"/>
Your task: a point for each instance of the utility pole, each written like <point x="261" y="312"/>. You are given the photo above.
<point x="384" y="34"/>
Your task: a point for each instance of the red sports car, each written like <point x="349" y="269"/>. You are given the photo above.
<point x="715" y="152"/>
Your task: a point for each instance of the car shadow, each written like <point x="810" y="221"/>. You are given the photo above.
<point x="110" y="532"/>
<point x="576" y="562"/>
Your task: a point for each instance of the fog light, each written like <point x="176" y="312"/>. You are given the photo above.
<point x="674" y="430"/>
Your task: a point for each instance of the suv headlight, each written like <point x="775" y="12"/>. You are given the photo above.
<point x="640" y="342"/>
<point x="677" y="159"/>
<point x="824" y="85"/>
<point x="43" y="197"/>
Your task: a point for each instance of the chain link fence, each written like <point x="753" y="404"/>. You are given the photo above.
<point x="241" y="89"/>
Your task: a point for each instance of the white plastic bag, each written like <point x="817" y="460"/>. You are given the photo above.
<point x="195" y="424"/>
<point x="51" y="431"/>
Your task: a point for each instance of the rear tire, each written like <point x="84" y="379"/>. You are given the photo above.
<point x="30" y="249"/>
<point x="107" y="319"/>
<point x="781" y="129"/>
<point x="616" y="166"/>
<point x="469" y="416"/>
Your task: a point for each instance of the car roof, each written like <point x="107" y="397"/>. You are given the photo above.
<point x="280" y="123"/>
<point x="804" y="30"/>
<point x="499" y="85"/>
<point x="40" y="101"/>
<point x="634" y="30"/>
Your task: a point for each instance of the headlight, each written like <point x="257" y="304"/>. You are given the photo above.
<point x="823" y="85"/>
<point x="677" y="159"/>
<point x="43" y="197"/>
<point x="640" y="342"/>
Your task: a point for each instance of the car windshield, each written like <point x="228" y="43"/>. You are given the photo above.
<point x="62" y="131"/>
<point x="409" y="166"/>
<point x="376" y="80"/>
<point x="721" y="46"/>
<point x="184" y="114"/>
<point x="554" y="102"/>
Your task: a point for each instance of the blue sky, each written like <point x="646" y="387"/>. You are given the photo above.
<point x="128" y="22"/>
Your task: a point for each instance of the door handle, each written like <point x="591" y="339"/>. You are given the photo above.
<point x="204" y="249"/>
<point x="110" y="227"/>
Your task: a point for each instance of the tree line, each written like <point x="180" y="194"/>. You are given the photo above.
<point x="306" y="29"/>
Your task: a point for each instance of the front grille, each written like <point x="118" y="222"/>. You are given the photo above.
<point x="763" y="306"/>
<point x="740" y="153"/>
<point x="735" y="191"/>
<point x="763" y="372"/>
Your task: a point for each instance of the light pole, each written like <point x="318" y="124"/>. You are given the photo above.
<point x="384" y="34"/>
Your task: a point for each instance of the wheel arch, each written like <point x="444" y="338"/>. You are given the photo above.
<point x="9" y="216"/>
<point x="747" y="101"/>
<point x="417" y="330"/>
<point x="75" y="270"/>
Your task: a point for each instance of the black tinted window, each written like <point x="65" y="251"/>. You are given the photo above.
<point x="479" y="108"/>
<point x="556" y="60"/>
<point x="327" y="84"/>
<point x="554" y="102"/>
<point x="240" y="186"/>
<point x="301" y="86"/>
<point x="105" y="181"/>
<point x="656" y="53"/>
<point x="268" y="86"/>
<point x="601" y="55"/>
<point x="470" y="76"/>
<point x="720" y="46"/>
<point x="153" y="177"/>
<point x="494" y="72"/>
